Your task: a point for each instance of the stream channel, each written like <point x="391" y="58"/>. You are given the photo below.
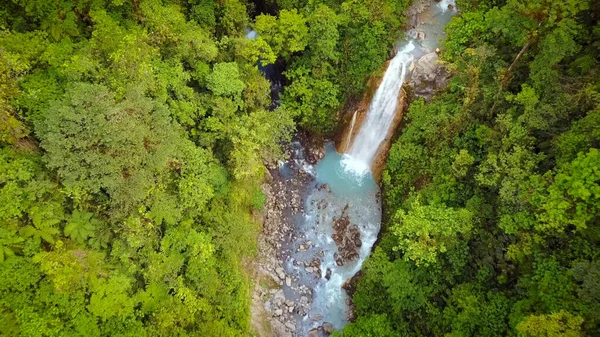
<point x="338" y="221"/>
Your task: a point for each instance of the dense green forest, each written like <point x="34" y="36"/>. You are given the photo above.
<point x="133" y="137"/>
<point x="132" y="141"/>
<point x="492" y="191"/>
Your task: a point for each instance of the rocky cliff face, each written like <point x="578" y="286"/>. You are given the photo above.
<point x="428" y="75"/>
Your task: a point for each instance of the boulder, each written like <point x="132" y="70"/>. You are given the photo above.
<point x="313" y="333"/>
<point x="327" y="328"/>
<point x="316" y="317"/>
<point x="428" y="75"/>
<point x="347" y="237"/>
<point x="279" y="329"/>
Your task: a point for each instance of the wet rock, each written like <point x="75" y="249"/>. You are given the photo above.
<point x="347" y="238"/>
<point x="338" y="259"/>
<point x="328" y="274"/>
<point x="428" y="75"/>
<point x="324" y="187"/>
<point x="350" y="285"/>
<point x="288" y="281"/>
<point x="327" y="328"/>
<point x="316" y="317"/>
<point x="313" y="333"/>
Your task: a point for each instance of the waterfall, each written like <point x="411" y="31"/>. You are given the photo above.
<point x="380" y="114"/>
<point x="342" y="197"/>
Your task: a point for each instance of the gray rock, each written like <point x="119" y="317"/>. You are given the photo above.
<point x="316" y="317"/>
<point x="327" y="328"/>
<point x="278" y="312"/>
<point x="288" y="281"/>
<point x="279" y="329"/>
<point x="428" y="75"/>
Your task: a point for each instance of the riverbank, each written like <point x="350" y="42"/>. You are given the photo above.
<point x="278" y="298"/>
<point x="320" y="222"/>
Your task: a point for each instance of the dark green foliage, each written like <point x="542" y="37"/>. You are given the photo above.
<point x="492" y="190"/>
<point x="132" y="136"/>
<point x="332" y="48"/>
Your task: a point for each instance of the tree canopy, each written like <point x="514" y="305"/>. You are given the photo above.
<point x="492" y="188"/>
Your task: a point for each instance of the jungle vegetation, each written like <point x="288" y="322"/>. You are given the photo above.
<point x="133" y="137"/>
<point x="492" y="191"/>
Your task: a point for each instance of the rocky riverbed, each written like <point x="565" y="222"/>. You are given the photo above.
<point x="320" y="222"/>
<point x="279" y="299"/>
<point x="312" y="242"/>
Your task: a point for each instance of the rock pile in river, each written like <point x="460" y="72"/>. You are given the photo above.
<point x="347" y="237"/>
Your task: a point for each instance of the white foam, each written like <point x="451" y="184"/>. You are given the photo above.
<point x="444" y="5"/>
<point x="381" y="111"/>
<point x="355" y="167"/>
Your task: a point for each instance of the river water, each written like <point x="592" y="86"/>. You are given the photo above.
<point x="342" y="193"/>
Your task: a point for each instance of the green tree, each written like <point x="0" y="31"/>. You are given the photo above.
<point x="96" y="142"/>
<point x="81" y="226"/>
<point x="560" y="324"/>
<point x="225" y="80"/>
<point x="425" y="232"/>
<point x="44" y="226"/>
<point x="286" y="34"/>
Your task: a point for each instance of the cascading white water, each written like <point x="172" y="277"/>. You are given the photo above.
<point x="380" y="114"/>
<point x="345" y="185"/>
